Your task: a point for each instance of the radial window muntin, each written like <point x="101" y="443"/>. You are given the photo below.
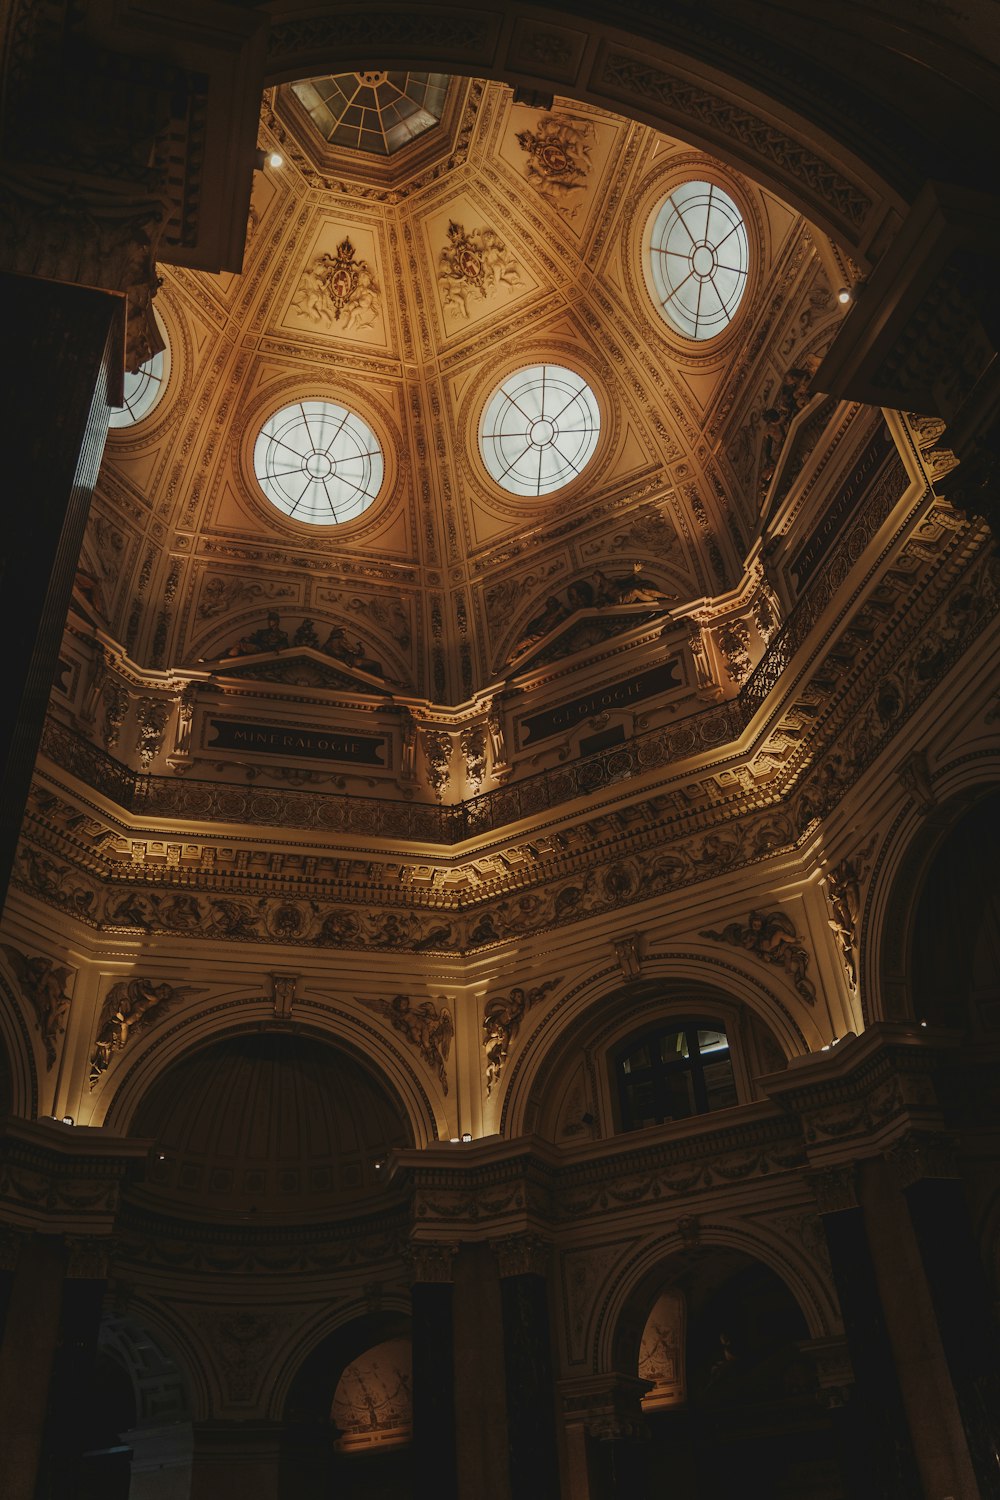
<point x="539" y="429"/>
<point x="144" y="387"/>
<point x="318" y="463"/>
<point x="699" y="258"/>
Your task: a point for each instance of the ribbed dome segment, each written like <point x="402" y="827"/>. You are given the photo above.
<point x="272" y="1126"/>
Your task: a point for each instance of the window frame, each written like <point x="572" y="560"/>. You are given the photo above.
<point x="658" y="1071"/>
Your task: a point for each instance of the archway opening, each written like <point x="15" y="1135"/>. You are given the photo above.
<point x="733" y="1393"/>
<point x="348" y="1415"/>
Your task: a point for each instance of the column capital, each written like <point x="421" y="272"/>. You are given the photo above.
<point x="835" y="1188"/>
<point x="522" y="1254"/>
<point x="920" y="1154"/>
<point x="88" y="1256"/>
<point x="433" y="1261"/>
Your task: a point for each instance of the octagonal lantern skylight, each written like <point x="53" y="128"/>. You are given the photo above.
<point x="698" y="259"/>
<point x="143" y="388"/>
<point x="318" y="463"/>
<point x="374" y="110"/>
<point x="539" y="429"/>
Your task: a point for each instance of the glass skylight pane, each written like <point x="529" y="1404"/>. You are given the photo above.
<point x="318" y="462"/>
<point x="698" y="259"/>
<point x="539" y="429"/>
<point x="143" y="389"/>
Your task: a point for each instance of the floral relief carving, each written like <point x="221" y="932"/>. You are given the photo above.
<point x="734" y="643"/>
<point x="116" y="703"/>
<point x="473" y="743"/>
<point x="151" y="719"/>
<point x="474" y="266"/>
<point x="771" y="936"/>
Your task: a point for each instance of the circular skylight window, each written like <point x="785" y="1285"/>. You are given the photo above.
<point x="144" y="388"/>
<point x="698" y="258"/>
<point x="539" y="429"/>
<point x="318" y="463"/>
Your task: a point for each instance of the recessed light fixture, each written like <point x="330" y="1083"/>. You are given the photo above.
<point x="845" y="296"/>
<point x="276" y="159"/>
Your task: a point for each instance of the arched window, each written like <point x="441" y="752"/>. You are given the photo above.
<point x="681" y="1068"/>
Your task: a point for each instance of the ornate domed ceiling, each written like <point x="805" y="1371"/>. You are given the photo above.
<point x="505" y="237"/>
<point x="266" y="1126"/>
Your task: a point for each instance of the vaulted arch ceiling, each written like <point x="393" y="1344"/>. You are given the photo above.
<point x="405" y="287"/>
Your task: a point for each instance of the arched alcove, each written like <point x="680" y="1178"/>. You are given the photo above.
<point x="736" y="1394"/>
<point x="265" y="1127"/>
<point x="575" y="1091"/>
<point x="363" y="1364"/>
<point x="937" y="943"/>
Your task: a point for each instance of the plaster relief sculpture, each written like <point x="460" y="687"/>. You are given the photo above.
<point x="734" y="643"/>
<point x="771" y="936"/>
<point x="502" y="1019"/>
<point x="223" y="592"/>
<point x="339" y="290"/>
<point x="151" y="717"/>
<point x="116" y="701"/>
<point x="426" y="1027"/>
<point x="437" y="752"/>
<point x="473" y="742"/>
<point x="271" y="639"/>
<point x="474" y="266"/>
<point x="129" y="1008"/>
<point x="843" y="886"/>
<point x="558" y="160"/>
<point x="43" y="985"/>
<point x="597" y="591"/>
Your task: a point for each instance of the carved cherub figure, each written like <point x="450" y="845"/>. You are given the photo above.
<point x="43" y="984"/>
<point x="426" y="1027"/>
<point x="127" y="1010"/>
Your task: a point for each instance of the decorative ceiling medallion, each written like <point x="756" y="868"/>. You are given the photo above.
<point x="374" y="111"/>
<point x="474" y="266"/>
<point x="558" y="160"/>
<point x="539" y="429"/>
<point x="339" y="288"/>
<point x="318" y="463"/>
<point x="698" y="257"/>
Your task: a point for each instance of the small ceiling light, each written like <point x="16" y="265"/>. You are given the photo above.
<point x="68" y="1120"/>
<point x="467" y="1136"/>
<point x="276" y="159"/>
<point x="845" y="296"/>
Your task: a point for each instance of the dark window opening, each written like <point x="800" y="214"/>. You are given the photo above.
<point x="676" y="1071"/>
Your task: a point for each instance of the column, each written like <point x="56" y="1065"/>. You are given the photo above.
<point x="432" y="1295"/>
<point x="26" y="1360"/>
<point x="60" y="345"/>
<point x="605" y="1437"/>
<point x="480" y="1390"/>
<point x="876" y="1447"/>
<point x="68" y="1414"/>
<point x="533" y="1457"/>
<point x="925" y="1170"/>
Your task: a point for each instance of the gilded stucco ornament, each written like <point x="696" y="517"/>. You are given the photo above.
<point x="130" y="1007"/>
<point x="502" y="1019"/>
<point x="771" y="936"/>
<point x="426" y="1026"/>
<point x="43" y="984"/>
